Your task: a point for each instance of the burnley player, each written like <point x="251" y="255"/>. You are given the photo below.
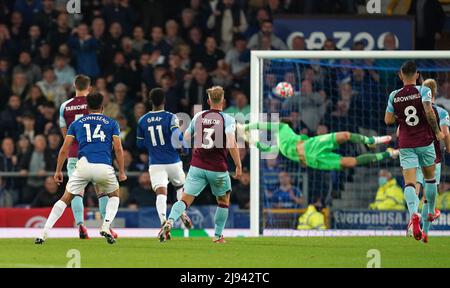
<point x="214" y="134"/>
<point x="70" y="111"/>
<point x="444" y="123"/>
<point x="159" y="133"/>
<point x="411" y="108"/>
<point x="96" y="135"/>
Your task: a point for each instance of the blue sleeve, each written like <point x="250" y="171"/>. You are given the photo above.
<point x="390" y="105"/>
<point x="174" y="123"/>
<point x="62" y="120"/>
<point x="71" y="131"/>
<point x="230" y="124"/>
<point x="191" y="127"/>
<point x="116" y="129"/>
<point x="425" y="92"/>
<point x="444" y="119"/>
<point x="140" y="136"/>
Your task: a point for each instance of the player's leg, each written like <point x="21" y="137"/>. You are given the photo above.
<point x="427" y="157"/>
<point x="221" y="216"/>
<point x="77" y="204"/>
<point x="343" y="137"/>
<point x="159" y="179"/>
<point x="75" y="186"/>
<point x="105" y="175"/>
<point x="102" y="203"/>
<point x="409" y="161"/>
<point x="196" y="181"/>
<point x="220" y="183"/>
<point x="178" y="178"/>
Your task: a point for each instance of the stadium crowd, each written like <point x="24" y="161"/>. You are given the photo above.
<point x="127" y="48"/>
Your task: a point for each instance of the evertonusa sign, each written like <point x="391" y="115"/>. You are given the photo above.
<point x="345" y="31"/>
<point x="391" y="220"/>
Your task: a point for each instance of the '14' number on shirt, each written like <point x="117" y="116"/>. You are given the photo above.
<point x="98" y="134"/>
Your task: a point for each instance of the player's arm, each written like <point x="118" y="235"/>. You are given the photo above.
<point x="118" y="150"/>
<point x="389" y="116"/>
<point x="140" y="137"/>
<point x="62" y="120"/>
<point x="432" y="120"/>
<point x="446" y="133"/>
<point x="266" y="148"/>
<point x="62" y="156"/>
<point x="230" y="130"/>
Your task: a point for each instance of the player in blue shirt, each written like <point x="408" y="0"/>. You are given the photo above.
<point x="159" y="133"/>
<point x="95" y="134"/>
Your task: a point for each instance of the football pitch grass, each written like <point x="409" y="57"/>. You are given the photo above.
<point x="264" y="252"/>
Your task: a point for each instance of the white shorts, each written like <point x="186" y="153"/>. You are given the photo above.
<point x="161" y="174"/>
<point x="101" y="174"/>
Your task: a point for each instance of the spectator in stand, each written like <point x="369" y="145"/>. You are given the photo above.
<point x="52" y="151"/>
<point x="121" y="99"/>
<point x="31" y="44"/>
<point x="430" y="20"/>
<point x="6" y="45"/>
<point x="313" y="218"/>
<point x="259" y="16"/>
<point x="172" y="33"/>
<point x="11" y="117"/>
<point x="28" y="8"/>
<point x="18" y="27"/>
<point x="139" y="41"/>
<point x="121" y="12"/>
<point x="33" y="163"/>
<point x="239" y="106"/>
<point x="44" y="57"/>
<point x="126" y="133"/>
<point x="196" y="43"/>
<point x="110" y="108"/>
<point x="210" y="55"/>
<point x="172" y="98"/>
<point x="287" y="195"/>
<point x="142" y="196"/>
<point x="298" y="43"/>
<point x="46" y="119"/>
<point x="20" y="85"/>
<point x="119" y="71"/>
<point x="389" y="195"/>
<point x="158" y="44"/>
<point x="61" y="33"/>
<point x="28" y="123"/>
<point x="8" y="163"/>
<point x="241" y="191"/>
<point x="227" y="20"/>
<point x="196" y="89"/>
<point x="64" y="72"/>
<point x="48" y="195"/>
<point x="51" y="89"/>
<point x="256" y="41"/>
<point x="329" y="45"/>
<point x="238" y="59"/>
<point x="187" y="22"/>
<point x="84" y="48"/>
<point x="25" y="66"/>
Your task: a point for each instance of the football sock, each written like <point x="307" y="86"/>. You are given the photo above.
<point x="220" y="219"/>
<point x="161" y="207"/>
<point x="411" y="199"/>
<point x="111" y="211"/>
<point x="177" y="209"/>
<point x="361" y="139"/>
<point x="55" y="214"/>
<point x="179" y="193"/>
<point x="78" y="209"/>
<point x="430" y="192"/>
<point x="102" y="202"/>
<point x="425" y="223"/>
<point x="365" y="159"/>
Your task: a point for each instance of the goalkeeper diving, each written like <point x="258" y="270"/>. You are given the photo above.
<point x="318" y="152"/>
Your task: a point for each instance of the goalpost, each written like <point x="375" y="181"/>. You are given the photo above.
<point x="305" y="59"/>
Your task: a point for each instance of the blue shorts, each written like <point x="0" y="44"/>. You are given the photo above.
<point x="197" y="179"/>
<point x="71" y="165"/>
<point x="417" y="157"/>
<point x="437" y="175"/>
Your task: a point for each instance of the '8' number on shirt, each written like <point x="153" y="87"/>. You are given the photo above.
<point x="411" y="116"/>
<point x="98" y="134"/>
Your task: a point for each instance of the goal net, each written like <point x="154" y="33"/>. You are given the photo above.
<point x="334" y="91"/>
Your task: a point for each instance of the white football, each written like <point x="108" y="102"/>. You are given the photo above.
<point x="284" y="90"/>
